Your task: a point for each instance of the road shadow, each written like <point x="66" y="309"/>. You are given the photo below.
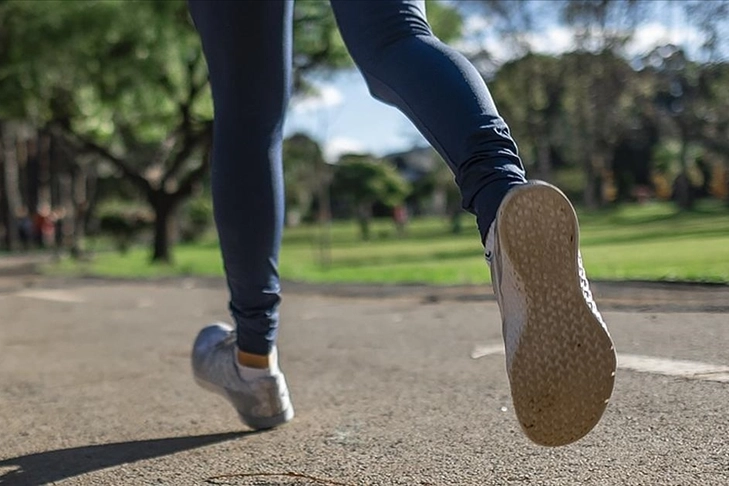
<point x="51" y="466"/>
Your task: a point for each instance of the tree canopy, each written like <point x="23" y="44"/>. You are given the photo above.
<point x="122" y="94"/>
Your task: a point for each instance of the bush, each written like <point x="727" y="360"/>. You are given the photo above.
<point x="124" y="225"/>
<point x="196" y="219"/>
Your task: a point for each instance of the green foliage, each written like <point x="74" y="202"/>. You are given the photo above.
<point x="444" y="19"/>
<point x="319" y="47"/>
<point x="318" y="44"/>
<point x="125" y="82"/>
<point x="124" y="224"/>
<point x="598" y="101"/>
<point x="127" y="79"/>
<point x="530" y="93"/>
<point x="304" y="172"/>
<point x="362" y="179"/>
<point x="98" y="65"/>
<point x="196" y="219"/>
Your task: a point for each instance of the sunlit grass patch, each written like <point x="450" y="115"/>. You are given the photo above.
<point x="644" y="242"/>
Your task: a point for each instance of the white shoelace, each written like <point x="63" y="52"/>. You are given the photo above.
<point x="586" y="292"/>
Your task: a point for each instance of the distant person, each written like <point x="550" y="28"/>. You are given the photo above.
<point x="559" y="355"/>
<point x="44" y="227"/>
<point x="400" y="218"/>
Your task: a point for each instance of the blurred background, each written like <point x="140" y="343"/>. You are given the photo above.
<point x="106" y="117"/>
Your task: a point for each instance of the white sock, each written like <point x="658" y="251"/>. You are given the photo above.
<point x="250" y="373"/>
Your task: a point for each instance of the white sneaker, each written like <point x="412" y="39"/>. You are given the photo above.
<point x="559" y="356"/>
<point x="262" y="402"/>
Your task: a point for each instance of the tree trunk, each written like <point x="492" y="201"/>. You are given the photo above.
<point x="682" y="184"/>
<point x="87" y="205"/>
<point x="163" y="205"/>
<point x="44" y="171"/>
<point x="12" y="186"/>
<point x="364" y="227"/>
<point x="77" y="215"/>
<point x="456" y="221"/>
<point x="682" y="192"/>
<point x="324" y="216"/>
<point x="590" y="192"/>
<point x="364" y="213"/>
<point x="65" y="227"/>
<point x="544" y="160"/>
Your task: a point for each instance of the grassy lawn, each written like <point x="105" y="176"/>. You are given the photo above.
<point x="648" y="242"/>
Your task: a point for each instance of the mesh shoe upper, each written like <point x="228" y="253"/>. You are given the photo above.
<point x="262" y="402"/>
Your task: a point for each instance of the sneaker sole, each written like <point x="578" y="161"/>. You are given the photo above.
<point x="257" y="423"/>
<point x="563" y="369"/>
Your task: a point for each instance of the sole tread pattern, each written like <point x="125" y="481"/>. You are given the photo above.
<point x="563" y="369"/>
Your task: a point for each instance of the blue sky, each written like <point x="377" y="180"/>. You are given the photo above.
<point x="346" y="118"/>
<point x="343" y="117"/>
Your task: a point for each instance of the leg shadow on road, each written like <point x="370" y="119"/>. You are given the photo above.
<point x="52" y="466"/>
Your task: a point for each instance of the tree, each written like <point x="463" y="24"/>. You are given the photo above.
<point x="122" y="84"/>
<point x="128" y="86"/>
<point x="436" y="192"/>
<point x="362" y="181"/>
<point x="159" y="119"/>
<point x="12" y="100"/>
<point x="530" y="93"/>
<point x="597" y="105"/>
<point x="678" y="97"/>
<point x="715" y="137"/>
<point x="318" y="46"/>
<point x="689" y="100"/>
<point x="11" y="184"/>
<point x="305" y="174"/>
<point x="600" y="78"/>
<point x="543" y="97"/>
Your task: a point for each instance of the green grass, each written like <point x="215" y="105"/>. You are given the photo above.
<point x="648" y="242"/>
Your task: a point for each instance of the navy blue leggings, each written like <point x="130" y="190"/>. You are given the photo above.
<point x="247" y="46"/>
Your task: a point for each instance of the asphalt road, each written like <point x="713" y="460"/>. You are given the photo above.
<point x="391" y="387"/>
